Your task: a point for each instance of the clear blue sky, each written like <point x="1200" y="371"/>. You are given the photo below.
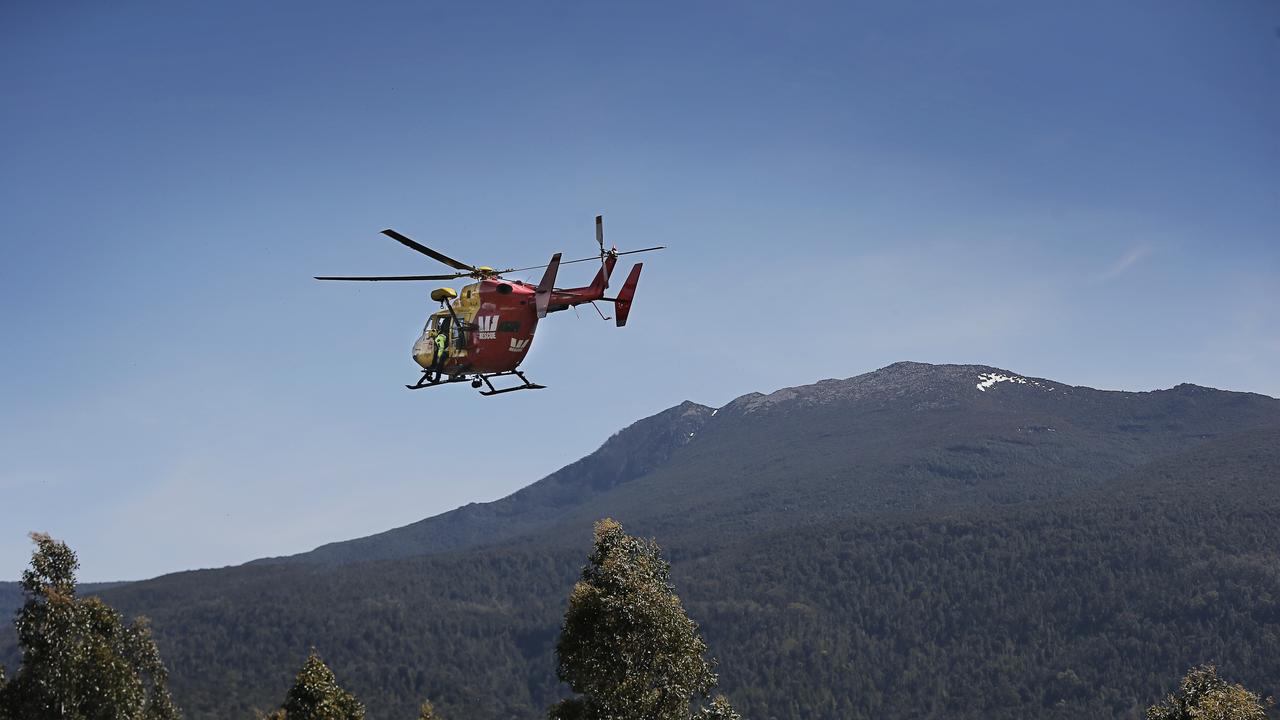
<point x="1084" y="191"/>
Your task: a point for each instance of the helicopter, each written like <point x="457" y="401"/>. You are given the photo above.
<point x="487" y="328"/>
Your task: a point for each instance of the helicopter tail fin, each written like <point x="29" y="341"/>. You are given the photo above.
<point x="542" y="298"/>
<point x="622" y="304"/>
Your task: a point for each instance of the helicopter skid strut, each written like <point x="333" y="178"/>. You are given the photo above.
<point x="432" y="378"/>
<point x="526" y="385"/>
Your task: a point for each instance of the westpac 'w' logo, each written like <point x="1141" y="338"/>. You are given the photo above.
<point x="486" y="326"/>
<point x="518" y="345"/>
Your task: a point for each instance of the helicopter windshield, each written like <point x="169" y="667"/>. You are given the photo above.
<point x="436" y="323"/>
<point x="442" y="324"/>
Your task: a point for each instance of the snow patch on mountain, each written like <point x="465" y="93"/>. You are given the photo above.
<point x="921" y="386"/>
<point x="989" y="379"/>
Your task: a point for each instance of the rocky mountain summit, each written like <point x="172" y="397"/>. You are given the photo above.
<point x="929" y="384"/>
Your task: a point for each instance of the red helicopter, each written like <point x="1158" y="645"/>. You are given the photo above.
<point x="485" y="332"/>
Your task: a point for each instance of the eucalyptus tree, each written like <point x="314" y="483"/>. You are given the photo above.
<point x="80" y="660"/>
<point x="627" y="647"/>
<point x="316" y="695"/>
<point x="1205" y="696"/>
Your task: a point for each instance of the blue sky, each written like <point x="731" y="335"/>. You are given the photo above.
<point x="1087" y="192"/>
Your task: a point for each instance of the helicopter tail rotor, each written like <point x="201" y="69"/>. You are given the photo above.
<point x="607" y="259"/>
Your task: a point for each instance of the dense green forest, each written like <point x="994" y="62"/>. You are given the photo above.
<point x="625" y="574"/>
<point x="1088" y="607"/>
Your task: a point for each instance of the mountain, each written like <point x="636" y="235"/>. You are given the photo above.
<point x="629" y="454"/>
<point x="905" y="438"/>
<point x="918" y="541"/>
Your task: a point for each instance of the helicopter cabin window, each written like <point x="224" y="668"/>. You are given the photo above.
<point x="436" y="323"/>
<point x="444" y="325"/>
<point x="460" y="336"/>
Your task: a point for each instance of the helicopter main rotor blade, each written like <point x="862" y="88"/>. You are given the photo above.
<point x="376" y="278"/>
<point x="427" y="251"/>
<point x="596" y="258"/>
<point x="651" y="249"/>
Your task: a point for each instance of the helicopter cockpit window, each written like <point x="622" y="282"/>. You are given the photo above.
<point x="436" y="323"/>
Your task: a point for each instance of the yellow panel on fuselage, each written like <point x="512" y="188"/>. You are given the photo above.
<point x="468" y="302"/>
<point x="466" y="307"/>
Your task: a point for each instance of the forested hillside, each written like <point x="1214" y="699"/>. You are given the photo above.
<point x="11" y="597"/>
<point x="899" y="545"/>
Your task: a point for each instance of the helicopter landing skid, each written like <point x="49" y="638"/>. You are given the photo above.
<point x="475" y="383"/>
<point x="431" y="378"/>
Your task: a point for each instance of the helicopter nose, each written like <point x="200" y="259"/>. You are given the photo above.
<point x="424" y="352"/>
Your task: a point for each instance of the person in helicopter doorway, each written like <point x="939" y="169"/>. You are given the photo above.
<point x="442" y="345"/>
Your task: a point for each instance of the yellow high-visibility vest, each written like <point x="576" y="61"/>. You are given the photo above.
<point x="440" y="343"/>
